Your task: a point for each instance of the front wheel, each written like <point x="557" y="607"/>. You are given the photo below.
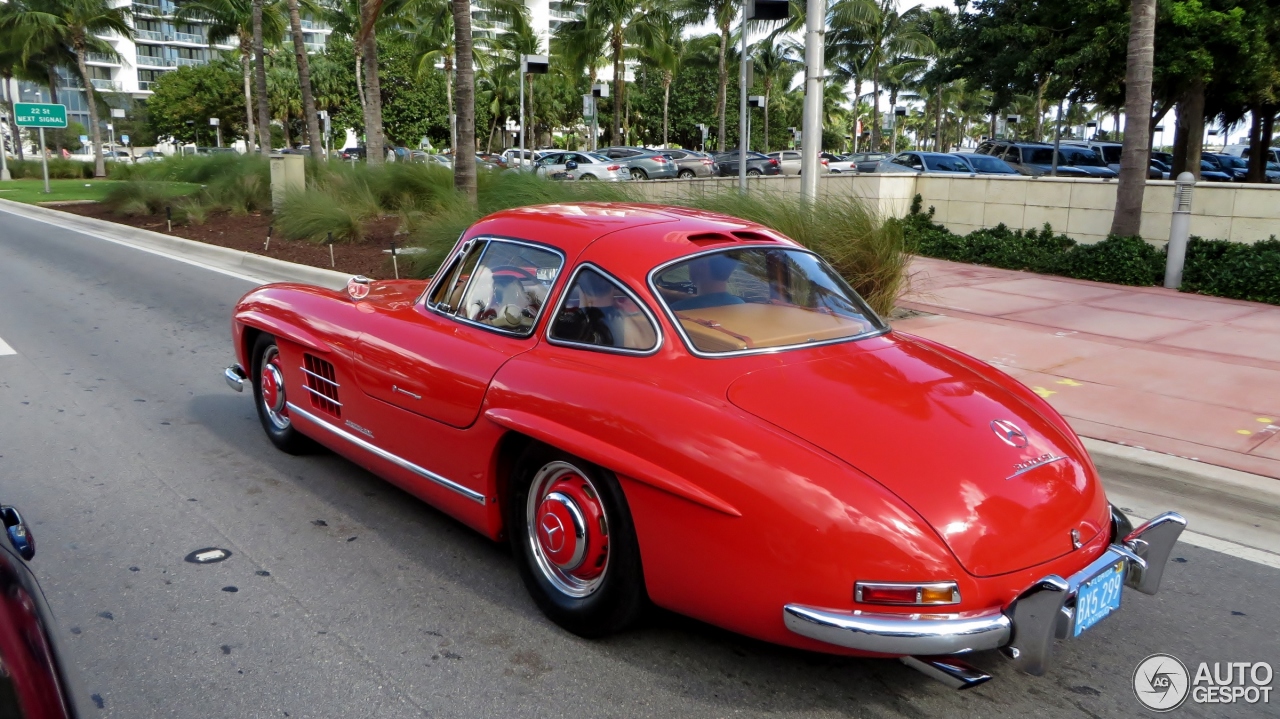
<point x="572" y="536"/>
<point x="753" y="172"/>
<point x="638" y="174"/>
<point x="269" y="396"/>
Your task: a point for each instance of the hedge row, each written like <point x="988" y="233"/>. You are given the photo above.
<point x="59" y="169"/>
<point x="1213" y="267"/>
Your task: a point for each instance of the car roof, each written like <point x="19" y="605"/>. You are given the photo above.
<point x="637" y="237"/>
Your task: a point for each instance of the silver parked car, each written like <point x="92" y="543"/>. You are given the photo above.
<point x="789" y="161"/>
<point x="690" y="163"/>
<point x="581" y="166"/>
<point x="643" y="164"/>
<point x="930" y="163"/>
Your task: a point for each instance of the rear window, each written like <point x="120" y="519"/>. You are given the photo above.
<point x="986" y="163"/>
<point x="735" y="301"/>
<point x="946" y="164"/>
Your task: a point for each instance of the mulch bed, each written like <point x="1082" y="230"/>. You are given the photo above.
<point x="249" y="233"/>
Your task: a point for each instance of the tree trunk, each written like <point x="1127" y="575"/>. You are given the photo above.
<point x="619" y="81"/>
<point x="359" y="55"/>
<point x="284" y="128"/>
<point x="453" y="111"/>
<point x="1257" y="151"/>
<point x="722" y="87"/>
<point x="875" y="109"/>
<point x="1134" y="160"/>
<point x="666" y="101"/>
<point x="7" y="79"/>
<point x="1040" y="87"/>
<point x="304" y="79"/>
<point x="375" y="141"/>
<point x="464" y="91"/>
<point x="768" y="90"/>
<point x="246" y="66"/>
<point x="260" y="82"/>
<point x="937" y="126"/>
<point x="1191" y="129"/>
<point x="95" y="132"/>
<point x="53" y="85"/>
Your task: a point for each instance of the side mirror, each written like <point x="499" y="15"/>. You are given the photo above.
<point x="19" y="536"/>
<point x="570" y="165"/>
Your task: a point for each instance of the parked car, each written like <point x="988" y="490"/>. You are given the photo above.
<point x="789" y="161"/>
<point x="1243" y="151"/>
<point x="1036" y="159"/>
<point x="581" y="166"/>
<point x="1110" y="154"/>
<point x="1238" y="167"/>
<point x="516" y="160"/>
<point x="596" y="384"/>
<point x="691" y="163"/>
<point x="867" y="161"/>
<point x="643" y="164"/>
<point x="986" y="164"/>
<point x="149" y="156"/>
<point x="928" y="163"/>
<point x="757" y="164"/>
<point x="353" y="153"/>
<point x="35" y="682"/>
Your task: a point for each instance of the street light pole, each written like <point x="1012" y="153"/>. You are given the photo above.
<point x="743" y="138"/>
<point x="811" y="137"/>
<point x="529" y="65"/>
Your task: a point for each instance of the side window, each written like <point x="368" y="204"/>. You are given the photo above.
<point x="509" y="286"/>
<point x="1011" y="155"/>
<point x="598" y="311"/>
<point x="448" y="293"/>
<point x="904" y="160"/>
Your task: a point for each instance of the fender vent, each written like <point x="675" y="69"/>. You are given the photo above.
<point x="322" y="385"/>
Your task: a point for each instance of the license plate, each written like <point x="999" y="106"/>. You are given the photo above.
<point x="1099" y="597"/>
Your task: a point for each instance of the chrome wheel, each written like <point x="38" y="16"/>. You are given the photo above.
<point x="638" y="174"/>
<point x="568" y="529"/>
<point x="274" y="404"/>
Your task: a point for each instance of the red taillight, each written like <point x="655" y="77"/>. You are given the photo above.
<point x="773" y="162"/>
<point x="825" y="161"/>
<point x="614" y="168"/>
<point x="707" y="161"/>
<point x="923" y="594"/>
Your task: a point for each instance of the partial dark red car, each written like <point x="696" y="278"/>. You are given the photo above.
<point x="33" y="679"/>
<point x="657" y="404"/>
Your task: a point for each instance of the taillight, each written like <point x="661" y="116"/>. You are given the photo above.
<point x="906" y="593"/>
<point x="825" y="161"/>
<point x="614" y="168"/>
<point x="706" y="161"/>
<point x="773" y="162"/>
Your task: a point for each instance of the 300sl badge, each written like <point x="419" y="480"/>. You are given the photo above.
<point x="1030" y="464"/>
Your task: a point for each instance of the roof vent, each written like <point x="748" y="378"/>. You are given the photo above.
<point x="752" y="236"/>
<point x="710" y="237"/>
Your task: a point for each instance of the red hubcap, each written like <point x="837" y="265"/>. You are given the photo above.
<point x="570" y="528"/>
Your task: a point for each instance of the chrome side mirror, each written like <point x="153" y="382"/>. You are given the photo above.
<point x="19" y="536"/>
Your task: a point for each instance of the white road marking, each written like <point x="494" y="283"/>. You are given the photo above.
<point x="5" y="349"/>
<point x="1223" y="546"/>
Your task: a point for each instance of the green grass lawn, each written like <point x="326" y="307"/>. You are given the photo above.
<point x="32" y="191"/>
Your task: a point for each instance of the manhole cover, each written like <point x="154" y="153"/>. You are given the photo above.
<point x="208" y="555"/>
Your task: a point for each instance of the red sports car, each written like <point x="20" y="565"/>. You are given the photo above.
<point x="657" y="404"/>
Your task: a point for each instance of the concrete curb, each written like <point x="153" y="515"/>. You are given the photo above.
<point x="246" y="264"/>
<point x="1163" y="469"/>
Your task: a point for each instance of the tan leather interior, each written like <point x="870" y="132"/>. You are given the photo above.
<point x="754" y="325"/>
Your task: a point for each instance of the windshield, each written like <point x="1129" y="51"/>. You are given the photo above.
<point x="749" y="299"/>
<point x="1111" y="154"/>
<point x="986" y="163"/>
<point x="946" y="164"/>
<point x="1236" y="162"/>
<point x="1072" y="156"/>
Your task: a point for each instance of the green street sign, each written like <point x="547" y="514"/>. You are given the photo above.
<point x="36" y="114"/>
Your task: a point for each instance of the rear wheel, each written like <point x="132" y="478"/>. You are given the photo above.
<point x="686" y="174"/>
<point x="574" y="542"/>
<point x="269" y="396"/>
<point x="639" y="174"/>
<point x="753" y="172"/>
<point x="587" y="178"/>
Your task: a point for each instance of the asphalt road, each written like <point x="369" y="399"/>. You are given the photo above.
<point x="345" y="597"/>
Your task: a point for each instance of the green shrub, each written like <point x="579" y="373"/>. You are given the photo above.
<point x="1233" y="269"/>
<point x="144" y="197"/>
<point x="59" y="169"/>
<point x="313" y="215"/>
<point x="1118" y="260"/>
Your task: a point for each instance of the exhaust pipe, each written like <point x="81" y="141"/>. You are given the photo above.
<point x="948" y="670"/>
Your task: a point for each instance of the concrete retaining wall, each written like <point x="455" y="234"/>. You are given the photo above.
<point x="1080" y="208"/>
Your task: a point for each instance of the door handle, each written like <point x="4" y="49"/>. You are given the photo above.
<point x="405" y="392"/>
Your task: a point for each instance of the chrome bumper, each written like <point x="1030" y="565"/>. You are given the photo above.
<point x="235" y="377"/>
<point x="1024" y="630"/>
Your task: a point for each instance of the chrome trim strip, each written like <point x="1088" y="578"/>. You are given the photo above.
<point x="675" y="321"/>
<point x="322" y="395"/>
<point x="564" y="297"/>
<point x="235" y="377"/>
<point x="900" y="634"/>
<point x="394" y="459"/>
<point x="321" y="378"/>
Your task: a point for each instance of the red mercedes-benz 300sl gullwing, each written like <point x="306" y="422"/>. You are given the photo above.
<point x="657" y="404"/>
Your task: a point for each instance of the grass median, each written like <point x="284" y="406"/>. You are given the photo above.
<point x="32" y="191"/>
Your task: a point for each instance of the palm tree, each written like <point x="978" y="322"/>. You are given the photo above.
<point x="284" y="94"/>
<point x="429" y="29"/>
<point x="656" y="32"/>
<point x="227" y="19"/>
<point x="611" y="19"/>
<point x="72" y="25"/>
<point x="304" y="80"/>
<point x="722" y="13"/>
<point x="343" y="17"/>
<point x="1137" y="138"/>
<point x="464" y="92"/>
<point x="775" y="64"/>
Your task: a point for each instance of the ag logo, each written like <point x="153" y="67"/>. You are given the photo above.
<point x="1161" y="682"/>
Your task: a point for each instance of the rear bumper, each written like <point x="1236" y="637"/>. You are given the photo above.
<point x="1024" y="630"/>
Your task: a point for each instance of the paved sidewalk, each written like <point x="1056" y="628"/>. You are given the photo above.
<point x="1192" y="376"/>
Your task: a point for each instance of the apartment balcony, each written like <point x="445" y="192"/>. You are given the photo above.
<point x="188" y="61"/>
<point x="189" y="38"/>
<point x="150" y="61"/>
<point x="146" y="85"/>
<point x="106" y="85"/>
<point x="148" y="35"/>
<point x="153" y="8"/>
<point x="99" y="58"/>
<point x="314" y="48"/>
<point x="314" y="25"/>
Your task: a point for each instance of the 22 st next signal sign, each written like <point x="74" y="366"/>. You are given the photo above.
<point x="35" y="114"/>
